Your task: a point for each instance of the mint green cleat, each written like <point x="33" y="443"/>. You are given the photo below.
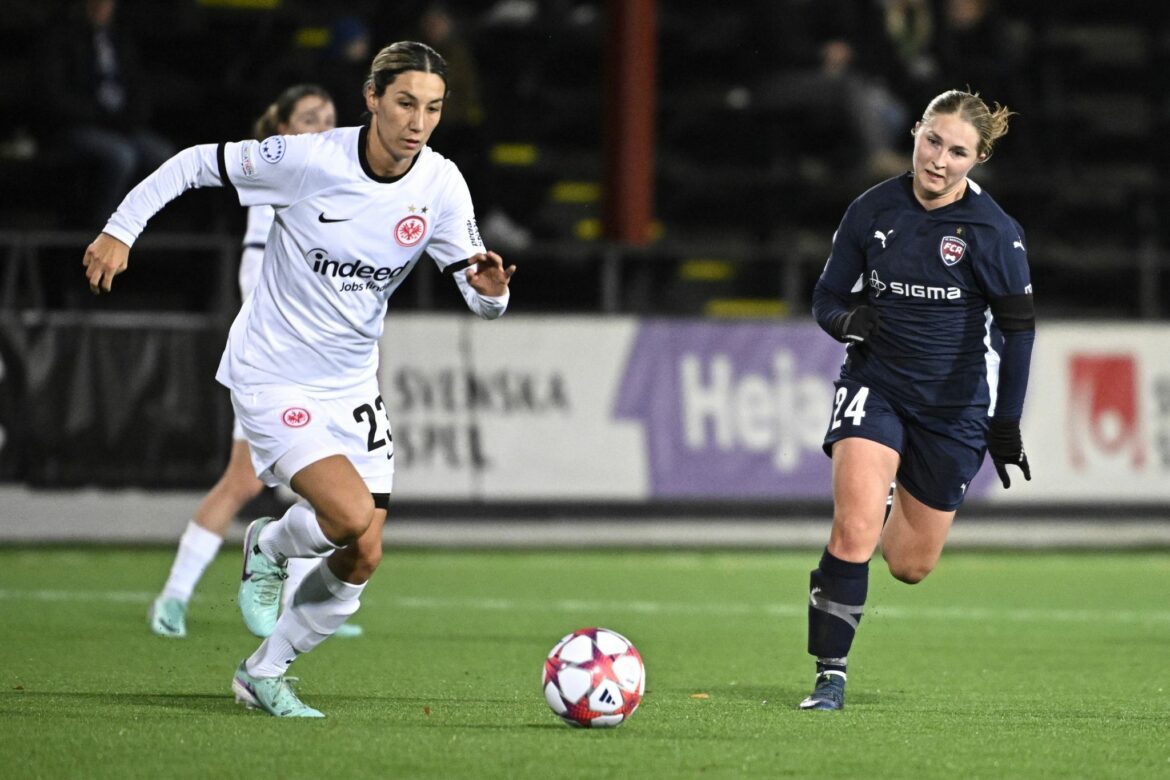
<point x="349" y="631"/>
<point x="168" y="617"/>
<point x="260" y="584"/>
<point x="274" y="695"/>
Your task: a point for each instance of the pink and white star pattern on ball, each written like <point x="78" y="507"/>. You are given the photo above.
<point x="594" y="678"/>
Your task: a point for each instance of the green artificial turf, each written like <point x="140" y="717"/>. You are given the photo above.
<point x="998" y="665"/>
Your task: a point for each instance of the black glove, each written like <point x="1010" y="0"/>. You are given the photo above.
<point x="857" y="325"/>
<point x="1006" y="447"/>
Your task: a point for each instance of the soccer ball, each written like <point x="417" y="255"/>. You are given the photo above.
<point x="594" y="678"/>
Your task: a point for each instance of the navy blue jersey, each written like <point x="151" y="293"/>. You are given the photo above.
<point x="935" y="278"/>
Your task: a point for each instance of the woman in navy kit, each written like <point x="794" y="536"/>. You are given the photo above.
<point x="928" y="285"/>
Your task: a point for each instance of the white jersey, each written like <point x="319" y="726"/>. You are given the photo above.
<point x="260" y="220"/>
<point x="343" y="240"/>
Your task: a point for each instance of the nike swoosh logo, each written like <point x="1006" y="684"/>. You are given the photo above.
<point x="322" y="218"/>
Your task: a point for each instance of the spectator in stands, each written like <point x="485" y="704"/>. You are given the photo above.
<point x="977" y="44"/>
<point x="343" y="65"/>
<point x="930" y="384"/>
<point x="910" y="27"/>
<point x="97" y="103"/>
<point x="835" y="58"/>
<point x="357" y="207"/>
<point x="303" y="108"/>
<point x="464" y="130"/>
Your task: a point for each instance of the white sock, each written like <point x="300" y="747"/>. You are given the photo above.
<point x="296" y="535"/>
<point x="298" y="569"/>
<point x="322" y="604"/>
<point x="197" y="549"/>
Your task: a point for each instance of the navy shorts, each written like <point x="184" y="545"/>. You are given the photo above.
<point x="939" y="456"/>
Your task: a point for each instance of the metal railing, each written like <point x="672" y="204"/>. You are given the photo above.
<point x="23" y="252"/>
<point x="789" y="267"/>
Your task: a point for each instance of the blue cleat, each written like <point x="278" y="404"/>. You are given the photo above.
<point x="829" y="693"/>
<point x="274" y="695"/>
<point x="260" y="584"/>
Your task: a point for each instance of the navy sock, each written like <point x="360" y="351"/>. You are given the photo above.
<point x="837" y="591"/>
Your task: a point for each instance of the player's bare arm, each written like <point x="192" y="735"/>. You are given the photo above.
<point x="104" y="259"/>
<point x="487" y="274"/>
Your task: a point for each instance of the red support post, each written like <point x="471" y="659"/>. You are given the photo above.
<point x="631" y="57"/>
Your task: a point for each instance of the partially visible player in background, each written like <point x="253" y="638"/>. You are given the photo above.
<point x="928" y="285"/>
<point x="303" y="108"/>
<point x="96" y="92"/>
<point x="356" y="209"/>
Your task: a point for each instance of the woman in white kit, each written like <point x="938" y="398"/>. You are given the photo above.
<point x="355" y="209"/>
<point x="302" y="108"/>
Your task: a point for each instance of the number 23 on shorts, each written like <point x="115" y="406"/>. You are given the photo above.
<point x="374" y="416"/>
<point x="854" y="409"/>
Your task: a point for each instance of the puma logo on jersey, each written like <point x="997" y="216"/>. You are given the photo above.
<point x="880" y="236"/>
<point x="1017" y="244"/>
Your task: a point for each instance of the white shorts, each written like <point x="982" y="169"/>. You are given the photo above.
<point x="287" y="429"/>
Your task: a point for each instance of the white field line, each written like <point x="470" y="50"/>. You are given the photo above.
<point x="873" y="611"/>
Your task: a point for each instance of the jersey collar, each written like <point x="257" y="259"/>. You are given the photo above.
<point x="908" y="186"/>
<point x="365" y="163"/>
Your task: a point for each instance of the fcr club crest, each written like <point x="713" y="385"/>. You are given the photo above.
<point x="951" y="249"/>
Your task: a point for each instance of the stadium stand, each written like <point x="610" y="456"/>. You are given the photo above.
<point x="747" y="193"/>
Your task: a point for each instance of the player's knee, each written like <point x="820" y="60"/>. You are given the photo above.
<point x="852" y="538"/>
<point x="910" y="573"/>
<point x="346" y="523"/>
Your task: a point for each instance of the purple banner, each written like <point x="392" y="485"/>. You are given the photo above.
<point x="732" y="410"/>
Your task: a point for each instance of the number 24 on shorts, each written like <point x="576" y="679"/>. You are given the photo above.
<point x="855" y="409"/>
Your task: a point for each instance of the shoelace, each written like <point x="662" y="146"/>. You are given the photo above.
<point x="286" y="698"/>
<point x="269" y="587"/>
